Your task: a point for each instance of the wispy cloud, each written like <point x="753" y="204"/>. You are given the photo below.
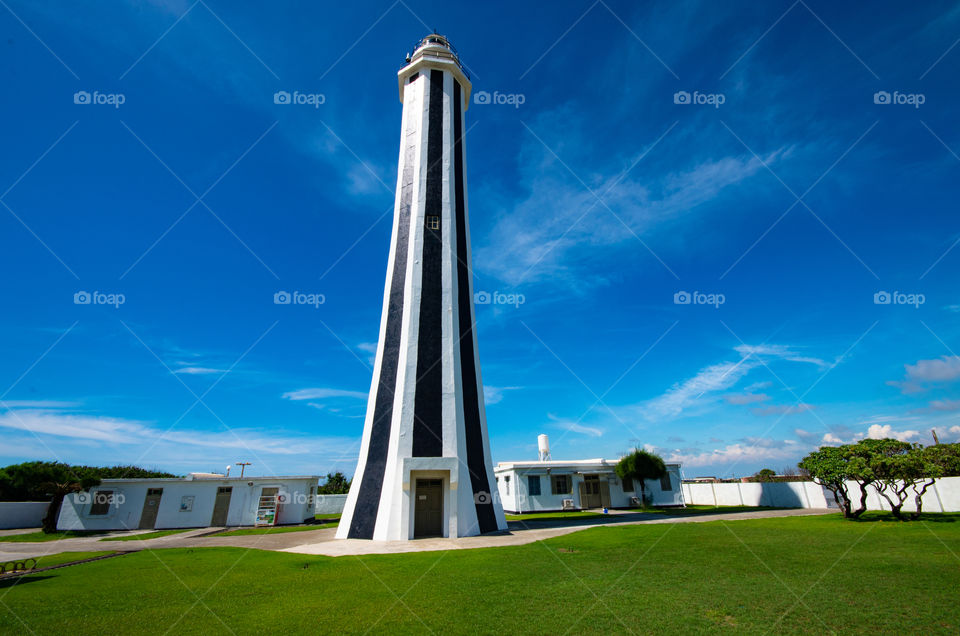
<point x="575" y="427"/>
<point x="920" y="376"/>
<point x="495" y="394"/>
<point x="198" y="370"/>
<point x="746" y="398"/>
<point x="322" y="393"/>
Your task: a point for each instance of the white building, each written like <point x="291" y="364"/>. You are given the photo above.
<point x="575" y="485"/>
<point x="197" y="501"/>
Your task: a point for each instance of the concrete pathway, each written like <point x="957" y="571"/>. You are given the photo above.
<point x="323" y="541"/>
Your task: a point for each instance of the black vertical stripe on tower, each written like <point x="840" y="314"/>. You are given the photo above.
<point x="473" y="433"/>
<point x="428" y="405"/>
<point x="368" y="498"/>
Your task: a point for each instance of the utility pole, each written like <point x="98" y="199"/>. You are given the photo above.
<point x="243" y="466"/>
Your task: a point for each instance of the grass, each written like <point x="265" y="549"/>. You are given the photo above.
<point x="146" y="535"/>
<point x="240" y="532"/>
<point x="572" y="514"/>
<point x="49" y="560"/>
<point x="799" y="575"/>
<point x="327" y="517"/>
<point x="689" y="510"/>
<point x="39" y="536"/>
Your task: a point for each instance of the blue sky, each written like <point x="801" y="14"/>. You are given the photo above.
<point x="780" y="191"/>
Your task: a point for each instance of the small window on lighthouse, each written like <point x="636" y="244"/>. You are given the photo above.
<point x="433" y="222"/>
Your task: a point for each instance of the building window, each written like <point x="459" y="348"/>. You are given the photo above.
<point x="627" y="484"/>
<point x="100" y="504"/>
<point x="533" y="485"/>
<point x="433" y="222"/>
<point x="561" y="484"/>
<point x="665" y="482"/>
<point x="507" y="483"/>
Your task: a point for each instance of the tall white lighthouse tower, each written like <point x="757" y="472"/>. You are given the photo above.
<point x="425" y="467"/>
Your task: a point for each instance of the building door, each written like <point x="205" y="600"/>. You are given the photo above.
<point x="148" y="518"/>
<point x="604" y="493"/>
<point x="590" y="492"/>
<point x="221" y="506"/>
<point x="428" y="508"/>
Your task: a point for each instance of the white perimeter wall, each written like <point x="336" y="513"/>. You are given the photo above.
<point x="330" y="504"/>
<point x="22" y="514"/>
<point x="943" y="496"/>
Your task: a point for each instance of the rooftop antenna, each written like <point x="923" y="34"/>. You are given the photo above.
<point x="243" y="466"/>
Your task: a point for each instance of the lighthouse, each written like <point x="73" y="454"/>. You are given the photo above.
<point x="425" y="467"/>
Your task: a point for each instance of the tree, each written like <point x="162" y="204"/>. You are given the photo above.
<point x="903" y="469"/>
<point x="640" y="466"/>
<point x="336" y="484"/>
<point x="833" y="466"/>
<point x="764" y="474"/>
<point x="946" y="456"/>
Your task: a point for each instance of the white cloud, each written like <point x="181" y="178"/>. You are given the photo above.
<point x="737" y="453"/>
<point x="746" y="398"/>
<point x="782" y="409"/>
<point x="945" y="405"/>
<point x="495" y="394"/>
<point x="878" y="431"/>
<point x="37" y="404"/>
<point x="321" y="393"/>
<point x="198" y="370"/>
<point x="717" y="377"/>
<point x="575" y="427"/>
<point x="777" y="351"/>
<point x="925" y="372"/>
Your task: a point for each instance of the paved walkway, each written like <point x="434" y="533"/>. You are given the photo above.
<point x="323" y="542"/>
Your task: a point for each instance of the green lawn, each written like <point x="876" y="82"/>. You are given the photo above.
<point x="327" y="517"/>
<point x="573" y="514"/>
<point x="146" y="535"/>
<point x="273" y="530"/>
<point x="31" y="537"/>
<point x="796" y="575"/>
<point x="49" y="560"/>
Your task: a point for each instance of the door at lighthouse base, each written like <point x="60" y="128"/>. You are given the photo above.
<point x="428" y="508"/>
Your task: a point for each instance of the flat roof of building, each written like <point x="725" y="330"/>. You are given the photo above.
<point x="554" y="463"/>
<point x="132" y="480"/>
